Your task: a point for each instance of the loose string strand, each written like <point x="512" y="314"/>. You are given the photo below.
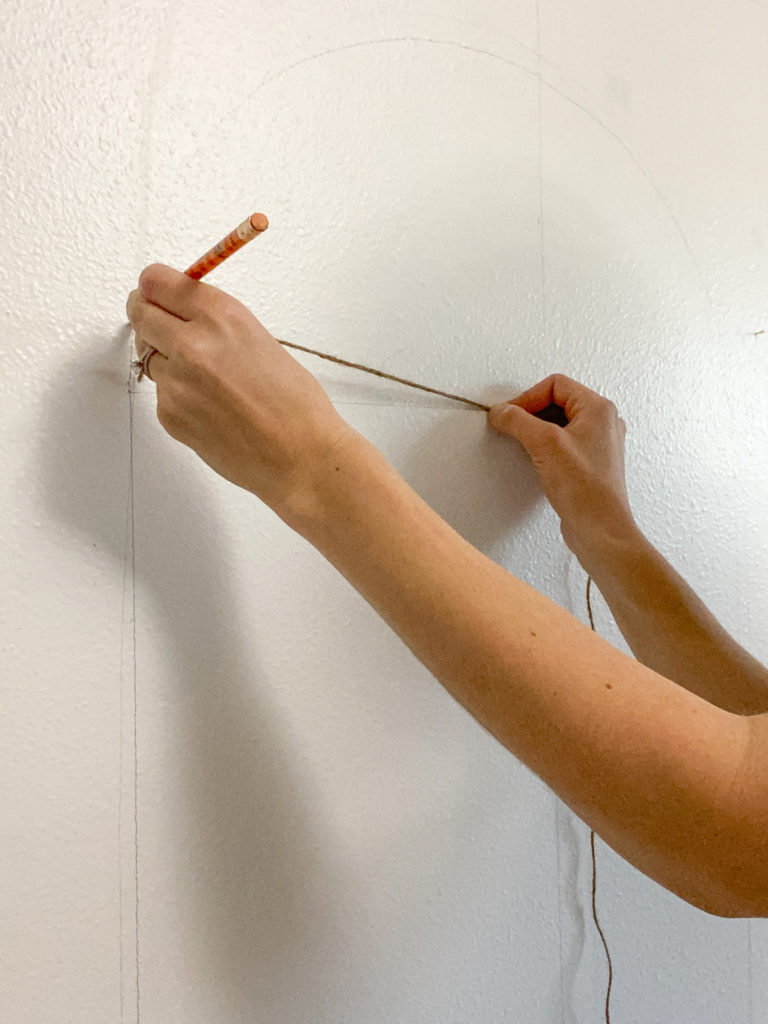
<point x="142" y="365"/>
<point x="594" y="865"/>
<point x="478" y="405"/>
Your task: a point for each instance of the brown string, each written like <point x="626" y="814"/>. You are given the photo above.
<point x="458" y="398"/>
<point x="380" y="373"/>
<point x="477" y="405"/>
<point x="594" y="866"/>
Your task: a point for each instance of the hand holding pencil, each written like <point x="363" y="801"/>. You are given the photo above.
<point x="226" y="387"/>
<point x="243" y="233"/>
<point x="228" y="390"/>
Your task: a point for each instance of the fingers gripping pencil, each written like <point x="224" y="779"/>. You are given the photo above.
<point x="250" y="228"/>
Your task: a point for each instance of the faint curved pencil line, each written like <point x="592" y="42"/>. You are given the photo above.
<point x="521" y="67"/>
<point x="497" y="32"/>
<point x="660" y="195"/>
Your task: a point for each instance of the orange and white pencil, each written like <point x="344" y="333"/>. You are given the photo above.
<point x="235" y="240"/>
<point x="243" y="233"/>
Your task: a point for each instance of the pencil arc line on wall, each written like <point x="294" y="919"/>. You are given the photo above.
<point x="271" y="77"/>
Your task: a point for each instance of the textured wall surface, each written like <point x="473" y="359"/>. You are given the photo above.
<point x="229" y="792"/>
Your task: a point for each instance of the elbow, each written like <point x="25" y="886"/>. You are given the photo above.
<point x="711" y="892"/>
<point x="750" y="900"/>
<point x="735" y="909"/>
<point x="733" y="894"/>
<point x="735" y="882"/>
<point x="743" y="861"/>
<point x="739" y="858"/>
<point x="742" y="889"/>
<point x="724" y="906"/>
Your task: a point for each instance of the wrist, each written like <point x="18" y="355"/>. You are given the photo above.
<point x="322" y="476"/>
<point x="608" y="547"/>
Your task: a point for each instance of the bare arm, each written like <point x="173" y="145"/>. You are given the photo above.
<point x="669" y="628"/>
<point x="654" y="769"/>
<point x="676" y="785"/>
<point x="581" y="470"/>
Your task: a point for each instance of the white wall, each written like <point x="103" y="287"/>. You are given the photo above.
<point x="229" y="792"/>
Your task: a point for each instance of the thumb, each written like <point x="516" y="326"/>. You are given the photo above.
<point x="525" y="427"/>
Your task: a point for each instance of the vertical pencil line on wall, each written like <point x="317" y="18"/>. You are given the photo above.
<point x="135" y="701"/>
<point x="542" y="328"/>
<point x="163" y="24"/>
<point x="121" y="746"/>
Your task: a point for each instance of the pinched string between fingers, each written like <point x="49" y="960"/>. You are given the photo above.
<point x="560" y="418"/>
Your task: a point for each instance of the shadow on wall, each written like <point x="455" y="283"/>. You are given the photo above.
<point x="257" y="886"/>
<point x="482" y="483"/>
<point x="253" y="892"/>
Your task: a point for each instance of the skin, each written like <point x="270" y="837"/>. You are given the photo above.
<point x="229" y="390"/>
<point x="676" y="784"/>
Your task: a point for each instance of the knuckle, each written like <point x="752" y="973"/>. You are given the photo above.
<point x="150" y="272"/>
<point x="233" y="314"/>
<point x="607" y="408"/>
<point x="148" y="279"/>
<point x="197" y="352"/>
<point x="565" y="382"/>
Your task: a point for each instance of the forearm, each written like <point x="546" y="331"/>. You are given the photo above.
<point x="669" y="629"/>
<point x="646" y="764"/>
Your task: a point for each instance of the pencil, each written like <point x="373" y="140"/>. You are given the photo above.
<point x="243" y="233"/>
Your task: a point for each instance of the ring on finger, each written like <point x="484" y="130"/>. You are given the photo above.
<point x="143" y="363"/>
